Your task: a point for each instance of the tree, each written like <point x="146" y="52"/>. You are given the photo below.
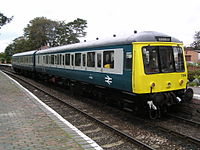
<point x="76" y="30"/>
<point x="2" y="57"/>
<point x="4" y="20"/>
<point x="40" y="31"/>
<point x="18" y="45"/>
<point x="45" y="32"/>
<point x="196" y="43"/>
<point x="8" y="52"/>
<point x="70" y="32"/>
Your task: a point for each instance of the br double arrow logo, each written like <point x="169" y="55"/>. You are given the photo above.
<point x="108" y="79"/>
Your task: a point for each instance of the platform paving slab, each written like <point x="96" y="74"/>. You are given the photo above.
<point x="26" y="123"/>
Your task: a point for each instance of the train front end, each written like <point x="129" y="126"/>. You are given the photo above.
<point x="160" y="73"/>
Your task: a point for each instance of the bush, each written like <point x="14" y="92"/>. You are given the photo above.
<point x="193" y="74"/>
<point x="191" y="64"/>
<point x="197" y="77"/>
<point x="192" y="84"/>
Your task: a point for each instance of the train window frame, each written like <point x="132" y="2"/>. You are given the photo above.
<point x="60" y="59"/>
<point x="77" y="59"/>
<point x="128" y="60"/>
<point x="169" y="66"/>
<point x="43" y="59"/>
<point x="47" y="59"/>
<point x="72" y="63"/>
<point x="146" y="61"/>
<point x="38" y="60"/>
<point x="52" y="59"/>
<point x="83" y="60"/>
<point x="118" y="61"/>
<point x="177" y="60"/>
<point x="49" y="56"/>
<point x="63" y="59"/>
<point x="160" y="62"/>
<point x="55" y="59"/>
<point x="67" y="59"/>
<point x="91" y="59"/>
<point x="109" y="59"/>
<point x="99" y="60"/>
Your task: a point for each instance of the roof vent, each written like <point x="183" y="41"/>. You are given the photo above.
<point x="114" y="35"/>
<point x="135" y="31"/>
<point x="97" y="38"/>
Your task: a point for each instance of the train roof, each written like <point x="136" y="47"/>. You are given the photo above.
<point x="25" y="53"/>
<point x="146" y="36"/>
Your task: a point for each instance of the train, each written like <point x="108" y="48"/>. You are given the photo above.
<point x="144" y="71"/>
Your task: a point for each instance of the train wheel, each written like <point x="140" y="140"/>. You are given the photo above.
<point x="154" y="114"/>
<point x="188" y="95"/>
<point x="164" y="109"/>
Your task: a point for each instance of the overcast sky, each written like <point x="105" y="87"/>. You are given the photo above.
<point x="178" y="18"/>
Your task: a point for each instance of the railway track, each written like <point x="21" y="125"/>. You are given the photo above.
<point x="124" y="135"/>
<point x="192" y="122"/>
<point x="120" y="133"/>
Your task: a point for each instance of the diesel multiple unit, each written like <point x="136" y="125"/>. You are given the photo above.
<point x="148" y="67"/>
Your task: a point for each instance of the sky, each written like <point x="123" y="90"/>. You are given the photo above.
<point x="178" y="18"/>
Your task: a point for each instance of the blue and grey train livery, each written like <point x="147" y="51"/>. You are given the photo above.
<point x="148" y="67"/>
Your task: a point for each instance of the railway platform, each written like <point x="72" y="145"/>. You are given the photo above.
<point x="26" y="123"/>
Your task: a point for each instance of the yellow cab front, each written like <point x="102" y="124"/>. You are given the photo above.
<point x="158" y="67"/>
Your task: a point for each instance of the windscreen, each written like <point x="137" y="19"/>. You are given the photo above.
<point x="163" y="59"/>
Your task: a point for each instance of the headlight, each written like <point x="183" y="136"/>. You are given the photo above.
<point x="181" y="82"/>
<point x="152" y="84"/>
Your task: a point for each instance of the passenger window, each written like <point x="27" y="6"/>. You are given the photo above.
<point x="47" y="59"/>
<point x="108" y="59"/>
<point x="72" y="60"/>
<point x="67" y="59"/>
<point x="63" y="59"/>
<point x="60" y="59"/>
<point x="128" y="60"/>
<point x="38" y="59"/>
<point x="91" y="59"/>
<point x="83" y="58"/>
<point x="52" y="59"/>
<point x="55" y="60"/>
<point x="99" y="60"/>
<point x="44" y="59"/>
<point x="78" y="59"/>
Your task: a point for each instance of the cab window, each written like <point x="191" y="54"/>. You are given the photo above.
<point x="163" y="59"/>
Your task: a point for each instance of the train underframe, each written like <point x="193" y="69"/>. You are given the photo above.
<point x="159" y="103"/>
<point x="153" y="104"/>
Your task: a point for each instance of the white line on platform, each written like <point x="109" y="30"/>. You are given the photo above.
<point x="196" y="96"/>
<point x="90" y="141"/>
